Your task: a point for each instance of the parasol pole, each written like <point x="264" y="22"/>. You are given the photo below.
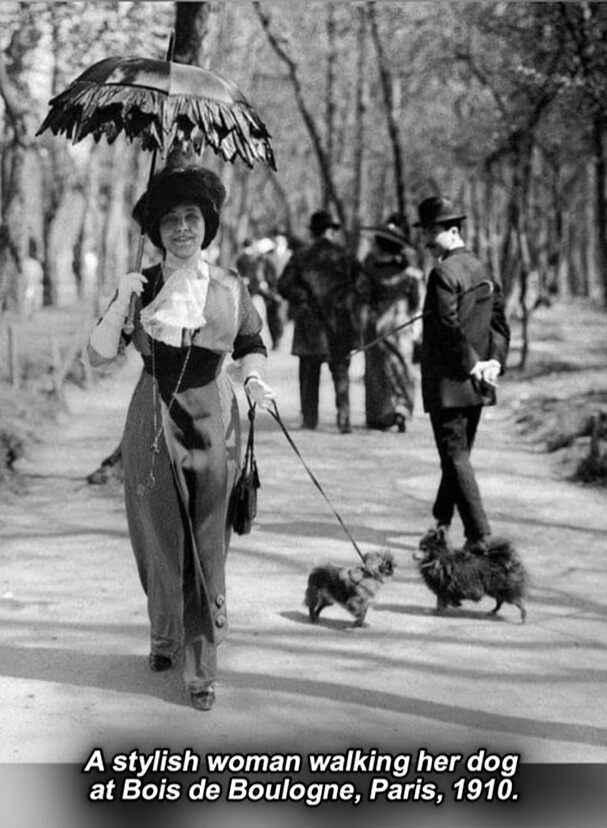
<point x="129" y="324"/>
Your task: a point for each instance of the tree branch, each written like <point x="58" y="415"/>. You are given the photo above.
<point x="393" y="130"/>
<point x="279" y="46"/>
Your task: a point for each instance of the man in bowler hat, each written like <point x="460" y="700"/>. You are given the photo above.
<point x="464" y="349"/>
<point x="319" y="282"/>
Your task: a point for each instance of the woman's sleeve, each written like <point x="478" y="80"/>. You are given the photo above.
<point x="248" y="339"/>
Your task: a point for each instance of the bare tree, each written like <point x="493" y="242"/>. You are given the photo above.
<point x="359" y="129"/>
<point x="393" y="128"/>
<point x="330" y="94"/>
<point x="280" y="47"/>
<point x="191" y="30"/>
<point x="586" y="28"/>
<point x="12" y="241"/>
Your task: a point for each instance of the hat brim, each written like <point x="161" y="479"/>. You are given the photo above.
<point x="180" y="185"/>
<point x="441" y="220"/>
<point x="330" y="226"/>
<point x="386" y="233"/>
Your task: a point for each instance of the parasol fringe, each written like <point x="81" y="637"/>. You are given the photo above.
<point x="86" y="108"/>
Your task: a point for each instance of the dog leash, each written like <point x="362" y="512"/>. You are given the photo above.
<point x="274" y="413"/>
<point x="484" y="283"/>
<point x="276" y="416"/>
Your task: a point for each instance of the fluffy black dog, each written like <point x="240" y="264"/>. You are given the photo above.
<point x="353" y="588"/>
<point x="456" y="575"/>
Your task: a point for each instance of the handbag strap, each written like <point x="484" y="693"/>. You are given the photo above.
<point x="249" y="455"/>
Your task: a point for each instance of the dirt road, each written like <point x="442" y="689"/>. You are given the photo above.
<point x="73" y="672"/>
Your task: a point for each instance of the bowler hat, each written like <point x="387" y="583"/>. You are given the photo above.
<point x="321" y="221"/>
<point x="437" y="210"/>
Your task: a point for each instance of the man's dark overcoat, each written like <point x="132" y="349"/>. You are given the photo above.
<point x="461" y="327"/>
<point x="319" y="282"/>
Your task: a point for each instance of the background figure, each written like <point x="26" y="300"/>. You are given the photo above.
<point x="269" y="281"/>
<point x="320" y="284"/>
<point x="279" y="255"/>
<point x="249" y="268"/>
<point x="259" y="274"/>
<point x="392" y="293"/>
<point x="465" y="344"/>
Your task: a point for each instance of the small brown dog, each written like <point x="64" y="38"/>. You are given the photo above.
<point x="353" y="588"/>
<point x="456" y="575"/>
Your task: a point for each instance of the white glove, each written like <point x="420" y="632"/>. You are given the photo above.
<point x="132" y="282"/>
<point x="258" y="391"/>
<point x="487" y="370"/>
<point x="105" y="336"/>
<point x="492" y="372"/>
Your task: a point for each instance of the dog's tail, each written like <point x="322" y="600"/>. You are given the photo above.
<point x="502" y="553"/>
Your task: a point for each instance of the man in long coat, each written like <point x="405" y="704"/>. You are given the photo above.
<point x="319" y="282"/>
<point x="465" y="344"/>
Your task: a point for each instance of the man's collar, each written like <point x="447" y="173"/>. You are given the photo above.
<point x="453" y="252"/>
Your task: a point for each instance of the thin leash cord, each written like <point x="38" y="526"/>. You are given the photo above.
<point x="274" y="413"/>
<point x="484" y="283"/>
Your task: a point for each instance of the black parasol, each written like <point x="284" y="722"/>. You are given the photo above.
<point x="166" y="105"/>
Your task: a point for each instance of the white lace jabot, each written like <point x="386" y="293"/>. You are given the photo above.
<point x="180" y="303"/>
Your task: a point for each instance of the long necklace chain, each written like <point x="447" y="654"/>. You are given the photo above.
<point x="158" y="429"/>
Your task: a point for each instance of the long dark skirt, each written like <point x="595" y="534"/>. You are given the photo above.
<point x="389" y="384"/>
<point x="176" y="503"/>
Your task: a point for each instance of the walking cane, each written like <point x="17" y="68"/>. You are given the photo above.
<point x="486" y="283"/>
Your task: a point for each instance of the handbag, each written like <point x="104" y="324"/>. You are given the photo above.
<point x="244" y="494"/>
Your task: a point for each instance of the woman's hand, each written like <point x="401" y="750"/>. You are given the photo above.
<point x="258" y="391"/>
<point x="132" y="282"/>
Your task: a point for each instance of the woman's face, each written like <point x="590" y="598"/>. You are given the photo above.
<point x="182" y="230"/>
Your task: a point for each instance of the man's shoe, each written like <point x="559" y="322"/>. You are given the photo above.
<point x="159" y="663"/>
<point x="203" y="699"/>
<point x="343" y="422"/>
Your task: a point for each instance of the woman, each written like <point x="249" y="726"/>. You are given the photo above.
<point x="392" y="291"/>
<point x="178" y="472"/>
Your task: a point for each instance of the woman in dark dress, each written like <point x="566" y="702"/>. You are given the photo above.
<point x="181" y="441"/>
<point x="393" y="294"/>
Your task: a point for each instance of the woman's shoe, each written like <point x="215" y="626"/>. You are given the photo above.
<point x="203" y="699"/>
<point x="400" y="422"/>
<point x="159" y="663"/>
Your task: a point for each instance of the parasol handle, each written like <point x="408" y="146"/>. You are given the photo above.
<point x="129" y="324"/>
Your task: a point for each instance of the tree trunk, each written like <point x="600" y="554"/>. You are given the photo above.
<point x="320" y="152"/>
<point x="191" y="29"/>
<point x="330" y="98"/>
<point x="359" y="129"/>
<point x="393" y="129"/>
<point x="114" y="254"/>
<point x="13" y="243"/>
<point x="523" y="166"/>
<point x="600" y="183"/>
